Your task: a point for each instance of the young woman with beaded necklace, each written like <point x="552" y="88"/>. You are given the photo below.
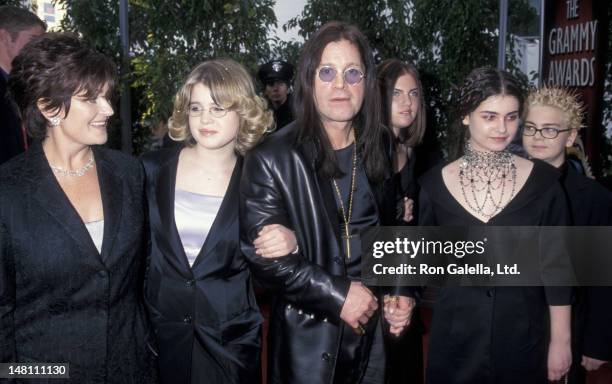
<point x="495" y="334"/>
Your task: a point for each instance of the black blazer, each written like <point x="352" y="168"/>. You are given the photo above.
<point x="591" y="204"/>
<point x="280" y="186"/>
<point x="212" y="302"/>
<point x="60" y="300"/>
<point x="11" y="137"/>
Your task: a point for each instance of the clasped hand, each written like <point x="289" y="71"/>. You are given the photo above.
<point x="398" y="312"/>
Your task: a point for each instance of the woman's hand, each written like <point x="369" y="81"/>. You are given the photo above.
<point x="559" y="360"/>
<point x="398" y="312"/>
<point x="559" y="349"/>
<point x="591" y="363"/>
<point x="275" y="240"/>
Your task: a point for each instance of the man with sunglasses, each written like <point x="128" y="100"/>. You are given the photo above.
<point x="327" y="176"/>
<point x="554" y="117"/>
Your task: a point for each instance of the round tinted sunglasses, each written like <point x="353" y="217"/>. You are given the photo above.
<point x="352" y="76"/>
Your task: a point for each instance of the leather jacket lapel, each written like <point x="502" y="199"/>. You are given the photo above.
<point x="308" y="150"/>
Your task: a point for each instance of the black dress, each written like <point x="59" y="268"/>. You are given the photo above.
<point x="494" y="334"/>
<point x="405" y="353"/>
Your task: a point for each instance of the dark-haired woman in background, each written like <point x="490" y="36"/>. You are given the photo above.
<point x="199" y="288"/>
<point x="495" y="334"/>
<point x="71" y="224"/>
<point x="403" y="110"/>
<point x="404" y="113"/>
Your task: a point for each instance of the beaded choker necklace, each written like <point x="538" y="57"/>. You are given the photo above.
<point x="488" y="172"/>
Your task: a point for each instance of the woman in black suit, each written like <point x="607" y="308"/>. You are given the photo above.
<point x="71" y="224"/>
<point x="199" y="288"/>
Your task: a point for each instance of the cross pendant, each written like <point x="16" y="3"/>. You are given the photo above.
<point x="348" y="245"/>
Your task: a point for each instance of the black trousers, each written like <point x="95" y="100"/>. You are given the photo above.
<point x="361" y="358"/>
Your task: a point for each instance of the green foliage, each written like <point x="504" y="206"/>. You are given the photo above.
<point x="16" y="3"/>
<point x="285" y="50"/>
<point x="445" y="38"/>
<point x="168" y="38"/>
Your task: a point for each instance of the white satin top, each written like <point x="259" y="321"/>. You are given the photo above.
<point x="194" y="215"/>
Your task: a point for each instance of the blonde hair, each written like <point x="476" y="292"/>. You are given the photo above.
<point x="231" y="87"/>
<point x="561" y="98"/>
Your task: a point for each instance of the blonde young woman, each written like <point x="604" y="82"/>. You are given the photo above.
<point x="553" y="119"/>
<point x="198" y="286"/>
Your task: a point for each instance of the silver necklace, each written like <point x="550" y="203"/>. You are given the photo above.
<point x="488" y="172"/>
<point x="76" y="172"/>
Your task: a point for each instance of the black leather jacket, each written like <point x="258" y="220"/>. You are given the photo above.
<point x="280" y="186"/>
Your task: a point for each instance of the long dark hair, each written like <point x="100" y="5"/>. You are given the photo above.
<point x="368" y="128"/>
<point x="479" y="85"/>
<point x="388" y="72"/>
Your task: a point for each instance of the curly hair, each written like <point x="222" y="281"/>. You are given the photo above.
<point x="49" y="71"/>
<point x="388" y="72"/>
<point x="561" y="98"/>
<point x="231" y="87"/>
<point x="478" y="86"/>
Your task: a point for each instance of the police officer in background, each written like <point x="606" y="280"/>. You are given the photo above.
<point x="276" y="78"/>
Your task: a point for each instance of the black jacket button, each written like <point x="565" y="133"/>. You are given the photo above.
<point x="491" y="292"/>
<point x="190" y="283"/>
<point x="325" y="356"/>
<point x="187" y="319"/>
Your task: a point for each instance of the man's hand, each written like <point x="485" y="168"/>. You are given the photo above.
<point x="559" y="360"/>
<point x="408" y="208"/>
<point x="398" y="312"/>
<point x="359" y="306"/>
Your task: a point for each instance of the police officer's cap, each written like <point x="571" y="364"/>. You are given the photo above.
<point x="275" y="70"/>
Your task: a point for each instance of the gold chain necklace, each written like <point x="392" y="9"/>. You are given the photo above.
<point x="347" y="218"/>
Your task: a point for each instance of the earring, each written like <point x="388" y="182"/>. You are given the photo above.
<point x="54" y="121"/>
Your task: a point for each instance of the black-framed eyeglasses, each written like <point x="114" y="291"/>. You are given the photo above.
<point x="352" y="76"/>
<point x="196" y="110"/>
<point x="547" y="132"/>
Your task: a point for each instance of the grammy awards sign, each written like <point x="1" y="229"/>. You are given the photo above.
<point x="574" y="45"/>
